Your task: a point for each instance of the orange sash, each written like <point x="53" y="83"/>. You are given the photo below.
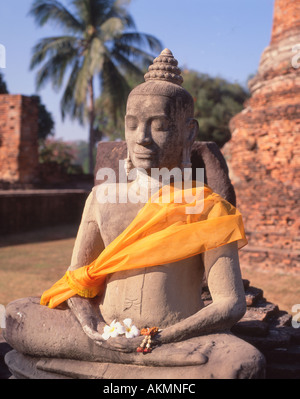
<point x="170" y="227"/>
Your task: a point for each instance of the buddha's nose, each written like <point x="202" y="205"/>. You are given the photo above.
<point x="144" y="134"/>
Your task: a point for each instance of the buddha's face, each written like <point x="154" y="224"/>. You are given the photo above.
<point x="155" y="131"/>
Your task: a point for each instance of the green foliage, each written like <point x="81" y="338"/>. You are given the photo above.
<point x="216" y="102"/>
<point x="81" y="152"/>
<point x="58" y="151"/>
<point x="3" y="87"/>
<point x="45" y="121"/>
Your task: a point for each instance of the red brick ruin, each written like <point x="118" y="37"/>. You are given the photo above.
<point x="32" y="196"/>
<point x="264" y="152"/>
<point x="18" y="139"/>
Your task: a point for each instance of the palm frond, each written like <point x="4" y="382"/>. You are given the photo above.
<point x="127" y="66"/>
<point x="68" y="105"/>
<point x="111" y="28"/>
<point x="115" y="89"/>
<point x="141" y="39"/>
<point x="52" y="10"/>
<point x="119" y="9"/>
<point x="92" y="12"/>
<point x="95" y="56"/>
<point x="52" y="71"/>
<point x="51" y="46"/>
<point x="136" y="55"/>
<point x="81" y="84"/>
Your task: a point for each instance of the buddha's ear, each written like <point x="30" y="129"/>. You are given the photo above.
<point x="192" y="127"/>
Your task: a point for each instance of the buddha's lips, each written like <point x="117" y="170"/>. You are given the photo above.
<point x="144" y="154"/>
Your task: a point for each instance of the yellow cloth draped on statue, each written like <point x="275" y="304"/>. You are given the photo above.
<point x="174" y="224"/>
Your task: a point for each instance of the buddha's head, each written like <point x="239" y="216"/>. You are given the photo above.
<point x="159" y="123"/>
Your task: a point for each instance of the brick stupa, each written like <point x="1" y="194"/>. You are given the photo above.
<point x="264" y="152"/>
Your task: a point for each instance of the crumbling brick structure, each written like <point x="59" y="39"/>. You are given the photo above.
<point x="264" y="152"/>
<point x="18" y="139"/>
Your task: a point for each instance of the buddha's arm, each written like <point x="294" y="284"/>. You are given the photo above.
<point x="227" y="291"/>
<point x="88" y="246"/>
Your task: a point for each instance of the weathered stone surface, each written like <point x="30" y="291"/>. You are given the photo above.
<point x="282" y="319"/>
<point x="255" y="328"/>
<point x="263" y="154"/>
<point x="262" y="311"/>
<point x="226" y="350"/>
<point x="276" y="338"/>
<point x="253" y="295"/>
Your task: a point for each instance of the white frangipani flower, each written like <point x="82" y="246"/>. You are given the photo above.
<point x="113" y="330"/>
<point x="131" y="330"/>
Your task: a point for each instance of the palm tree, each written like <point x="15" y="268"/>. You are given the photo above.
<point x="100" y="41"/>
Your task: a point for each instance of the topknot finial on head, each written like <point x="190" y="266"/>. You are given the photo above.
<point x="164" y="67"/>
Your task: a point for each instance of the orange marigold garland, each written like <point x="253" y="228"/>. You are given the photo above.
<point x="145" y="346"/>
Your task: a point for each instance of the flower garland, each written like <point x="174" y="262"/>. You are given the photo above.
<point x="148" y="332"/>
<point x="131" y="331"/>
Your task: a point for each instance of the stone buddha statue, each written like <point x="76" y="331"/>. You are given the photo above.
<point x="193" y="341"/>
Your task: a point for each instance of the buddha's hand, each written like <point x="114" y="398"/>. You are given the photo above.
<point x="88" y="316"/>
<point x="121" y="344"/>
<point x="133" y="344"/>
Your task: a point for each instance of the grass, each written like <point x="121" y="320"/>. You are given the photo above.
<point x="31" y="262"/>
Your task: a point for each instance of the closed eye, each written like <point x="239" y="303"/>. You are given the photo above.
<point x="160" y="123"/>
<point x="131" y="122"/>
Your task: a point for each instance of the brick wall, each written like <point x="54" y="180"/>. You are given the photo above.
<point x="18" y="139"/>
<point x="25" y="210"/>
<point x="264" y="153"/>
<point x="286" y="20"/>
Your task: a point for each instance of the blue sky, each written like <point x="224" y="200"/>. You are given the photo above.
<point x="220" y="37"/>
